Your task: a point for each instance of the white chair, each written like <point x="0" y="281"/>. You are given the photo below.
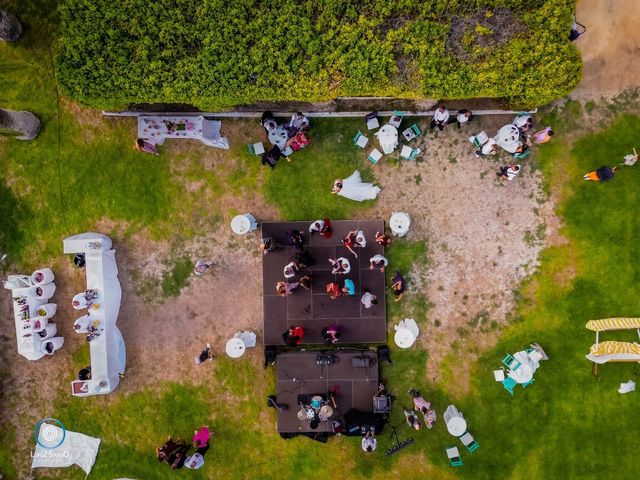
<point x="409" y="153"/>
<point x="249" y="338"/>
<point x="399" y="223"/>
<point x="396" y="118"/>
<point x="469" y="442"/>
<point x="253" y="223"/>
<point x="411" y="325"/>
<point x="256" y="148"/>
<point x="498" y="375"/>
<point x="454" y="457"/>
<point x="479" y="139"/>
<point x="375" y="156"/>
<point x="373" y="123"/>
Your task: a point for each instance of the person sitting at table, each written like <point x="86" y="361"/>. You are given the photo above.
<point x="440" y="118"/>
<point x="464" y="116"/>
<point x="369" y="442"/>
<point x="322" y="227"/>
<point x="268" y="121"/>
<point x="298" y="141"/>
<point x="378" y="261"/>
<point x="271" y="157"/>
<point x="269" y="244"/>
<point x="85" y="373"/>
<point x="286" y="288"/>
<point x="146" y="147"/>
<point x="291" y="269"/>
<point x="297" y="123"/>
<point x="383" y="239"/>
<point x="293" y="336"/>
<point x="355" y="238"/>
<point x="398" y="286"/>
<point x="340" y="266"/>
<point x="412" y="419"/>
<point x="420" y="404"/>
<point x="295" y="238"/>
<point x="331" y="334"/>
<point x="348" y="288"/>
<point x="333" y="290"/>
<point x="523" y="122"/>
<point x="543" y="136"/>
<point x="489" y="148"/>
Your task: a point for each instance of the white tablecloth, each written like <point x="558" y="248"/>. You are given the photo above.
<point x="509" y="138"/>
<point x="279" y="137"/>
<point x="388" y="138"/>
<point x="235" y="347"/>
<point x="528" y="365"/>
<point x="457" y="426"/>
<point x="154" y="129"/>
<point x="399" y="223"/>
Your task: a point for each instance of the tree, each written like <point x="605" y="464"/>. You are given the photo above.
<point x="10" y="28"/>
<point x="22" y="125"/>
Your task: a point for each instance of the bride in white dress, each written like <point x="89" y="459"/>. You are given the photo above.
<point x="354" y="188"/>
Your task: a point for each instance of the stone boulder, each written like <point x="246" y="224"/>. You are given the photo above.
<point x="25" y="125"/>
<point x="10" y="28"/>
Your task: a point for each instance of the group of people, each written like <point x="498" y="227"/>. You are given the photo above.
<point x="286" y="138"/>
<point x="174" y="452"/>
<point x="422" y="406"/>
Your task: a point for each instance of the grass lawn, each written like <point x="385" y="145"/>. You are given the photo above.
<point x="568" y="424"/>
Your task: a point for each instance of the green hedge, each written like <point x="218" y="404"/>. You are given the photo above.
<point x="219" y="53"/>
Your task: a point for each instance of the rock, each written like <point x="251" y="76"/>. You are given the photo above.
<point x="10" y="28"/>
<point x="24" y="124"/>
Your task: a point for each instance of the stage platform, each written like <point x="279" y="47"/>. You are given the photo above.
<point x="313" y="309"/>
<point x="298" y="376"/>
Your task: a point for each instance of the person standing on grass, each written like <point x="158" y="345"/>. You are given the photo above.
<point x="464" y="116"/>
<point x="398" y="286"/>
<point x="378" y="261"/>
<point x="204" y="355"/>
<point x="440" y="118"/>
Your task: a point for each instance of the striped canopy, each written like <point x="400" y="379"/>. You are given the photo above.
<point x="611" y="348"/>
<point x="613" y="324"/>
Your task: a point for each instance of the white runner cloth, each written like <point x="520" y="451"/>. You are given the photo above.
<point x="155" y="129"/>
<point x="354" y="188"/>
<point x="77" y="448"/>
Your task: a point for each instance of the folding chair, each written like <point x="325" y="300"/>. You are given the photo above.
<point x="255" y="148"/>
<point x="469" y="442"/>
<point x="409" y="153"/>
<point x="360" y="140"/>
<point x="412" y="132"/>
<point x="524" y="385"/>
<point x="522" y="155"/>
<point x="510" y="362"/>
<point x="375" y="156"/>
<point x="508" y="383"/>
<point x="479" y="139"/>
<point x="372" y="120"/>
<point x="396" y="118"/>
<point x="454" y="457"/>
<point x="529" y="350"/>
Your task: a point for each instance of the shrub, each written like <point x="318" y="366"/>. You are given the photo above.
<point x="216" y="54"/>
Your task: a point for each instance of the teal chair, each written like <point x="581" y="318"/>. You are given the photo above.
<point x="396" y="118"/>
<point x="412" y="132"/>
<point x="522" y="155"/>
<point x="255" y="148"/>
<point x="409" y="153"/>
<point x="360" y="140"/>
<point x="469" y="442"/>
<point x="529" y="350"/>
<point x="454" y="457"/>
<point x="524" y="385"/>
<point x="375" y="156"/>
<point x="509" y="383"/>
<point x="510" y="362"/>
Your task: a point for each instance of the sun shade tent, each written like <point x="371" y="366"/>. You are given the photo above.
<point x="107" y="350"/>
<point x="76" y="448"/>
<point x="612" y="351"/>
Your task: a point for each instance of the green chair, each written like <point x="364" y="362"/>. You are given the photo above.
<point x="360" y="140"/>
<point x="529" y="350"/>
<point x="509" y="383"/>
<point x="375" y="156"/>
<point x="255" y="148"/>
<point x="454" y="457"/>
<point x="524" y="385"/>
<point x="510" y="362"/>
<point x="469" y="442"/>
<point x="522" y="155"/>
<point x="412" y="132"/>
<point x="409" y="153"/>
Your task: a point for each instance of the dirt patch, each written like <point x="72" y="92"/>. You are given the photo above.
<point x="610" y="48"/>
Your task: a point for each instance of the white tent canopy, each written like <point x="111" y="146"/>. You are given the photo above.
<point x="107" y="350"/>
<point x="76" y="448"/>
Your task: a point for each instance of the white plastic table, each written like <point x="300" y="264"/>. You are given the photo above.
<point x="235" y="347"/>
<point x="240" y="224"/>
<point x="404" y="338"/>
<point x="509" y="138"/>
<point x="388" y="138"/>
<point x="279" y="137"/>
<point x="399" y="223"/>
<point x="457" y="426"/>
<point x="524" y="373"/>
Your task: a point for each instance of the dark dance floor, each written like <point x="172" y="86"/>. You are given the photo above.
<point x="313" y="309"/>
<point x="299" y="377"/>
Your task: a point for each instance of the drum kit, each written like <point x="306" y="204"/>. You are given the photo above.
<point x="317" y="410"/>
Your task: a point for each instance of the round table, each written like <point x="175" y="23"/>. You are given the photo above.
<point x="388" y="138"/>
<point x="235" y="348"/>
<point x="457" y="426"/>
<point x="240" y="224"/>
<point x="404" y="338"/>
<point x="509" y="138"/>
<point x="399" y="223"/>
<point x="522" y="374"/>
<point x="279" y="137"/>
